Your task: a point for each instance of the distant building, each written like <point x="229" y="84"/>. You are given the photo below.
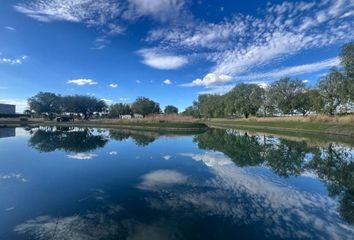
<point x="126" y="116"/>
<point x="138" y="116"/>
<point x="7" y="109"/>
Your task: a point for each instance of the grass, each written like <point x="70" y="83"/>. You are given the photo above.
<point x="313" y="124"/>
<point x="173" y="122"/>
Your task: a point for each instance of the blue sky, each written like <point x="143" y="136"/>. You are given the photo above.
<point x="167" y="50"/>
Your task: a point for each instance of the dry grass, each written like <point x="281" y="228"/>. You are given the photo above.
<point x="348" y="119"/>
<point x="173" y="118"/>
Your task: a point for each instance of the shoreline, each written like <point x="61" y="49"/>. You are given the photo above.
<point x="313" y="128"/>
<point x="147" y="126"/>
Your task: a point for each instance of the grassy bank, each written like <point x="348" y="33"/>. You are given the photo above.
<point x="315" y="125"/>
<point x="141" y="124"/>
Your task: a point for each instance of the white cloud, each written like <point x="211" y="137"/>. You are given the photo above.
<point x="21" y="105"/>
<point x="167" y="157"/>
<point x="293" y="71"/>
<point x="82" y="82"/>
<point x="242" y="44"/>
<point x="167" y="82"/>
<point x="155" y="59"/>
<point x="158" y="9"/>
<point x="209" y="80"/>
<point x="108" y="101"/>
<point x="123" y="99"/>
<point x="161" y="179"/>
<point x="10" y="28"/>
<point x="101" y="14"/>
<point x="113" y="153"/>
<point x="12" y="61"/>
<point x="82" y="156"/>
<point x="113" y="85"/>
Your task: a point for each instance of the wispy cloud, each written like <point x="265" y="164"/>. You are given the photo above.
<point x="10" y="28"/>
<point x="243" y="44"/>
<point x="82" y="82"/>
<point x="12" y="61"/>
<point x="293" y="71"/>
<point x="101" y="14"/>
<point x="82" y="156"/>
<point x="161" y="10"/>
<point x="164" y="61"/>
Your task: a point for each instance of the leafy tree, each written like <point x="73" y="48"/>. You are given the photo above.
<point x="169" y="109"/>
<point x="316" y="101"/>
<point x="244" y="99"/>
<point x="283" y="92"/>
<point x="191" y="111"/>
<point x="302" y="102"/>
<point x="118" y="109"/>
<point x="331" y="90"/>
<point x="211" y="105"/>
<point x="145" y="106"/>
<point x="347" y="61"/>
<point x="45" y="102"/>
<point x="82" y="104"/>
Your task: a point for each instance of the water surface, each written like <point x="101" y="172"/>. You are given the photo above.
<point x="76" y="183"/>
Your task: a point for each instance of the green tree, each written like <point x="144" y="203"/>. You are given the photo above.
<point x="245" y="99"/>
<point x="118" y="109"/>
<point x="347" y="61"/>
<point x="302" y="102"/>
<point x="210" y="105"/>
<point x="82" y="104"/>
<point x="45" y="102"/>
<point x="316" y="100"/>
<point x="331" y="90"/>
<point x="283" y="92"/>
<point x="145" y="106"/>
<point x="191" y="111"/>
<point x="169" y="109"/>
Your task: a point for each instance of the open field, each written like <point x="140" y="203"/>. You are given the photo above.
<point x="314" y="124"/>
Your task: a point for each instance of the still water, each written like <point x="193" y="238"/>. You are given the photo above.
<point x="72" y="183"/>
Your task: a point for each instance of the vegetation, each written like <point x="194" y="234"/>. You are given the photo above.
<point x="49" y="104"/>
<point x="145" y="106"/>
<point x="169" y="109"/>
<point x="332" y="95"/>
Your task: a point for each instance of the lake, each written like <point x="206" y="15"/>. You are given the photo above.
<point x="80" y="183"/>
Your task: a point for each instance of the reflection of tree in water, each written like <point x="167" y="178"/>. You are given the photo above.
<point x="48" y="139"/>
<point x="334" y="164"/>
<point x="140" y="138"/>
<point x="244" y="150"/>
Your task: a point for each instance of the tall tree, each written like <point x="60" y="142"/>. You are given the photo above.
<point x="45" y="102"/>
<point x="169" y="109"/>
<point x="283" y="92"/>
<point x="347" y="61"/>
<point x="118" y="109"/>
<point x="145" y="106"/>
<point x="245" y="99"/>
<point x="331" y="89"/>
<point x="82" y="104"/>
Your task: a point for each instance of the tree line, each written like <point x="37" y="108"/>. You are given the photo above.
<point x="333" y="94"/>
<point x="50" y="104"/>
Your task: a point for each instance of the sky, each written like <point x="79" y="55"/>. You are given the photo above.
<point x="168" y="50"/>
